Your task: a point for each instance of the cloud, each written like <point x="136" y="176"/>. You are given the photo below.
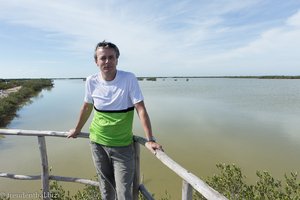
<point x="159" y="37"/>
<point x="294" y="20"/>
<point x="274" y="51"/>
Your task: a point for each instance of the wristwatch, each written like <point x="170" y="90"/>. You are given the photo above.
<point x="152" y="139"/>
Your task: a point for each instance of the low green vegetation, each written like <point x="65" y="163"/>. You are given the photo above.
<point x="230" y="182"/>
<point x="151" y="79"/>
<point x="265" y="77"/>
<point x="10" y="103"/>
<point x="147" y="78"/>
<point x="89" y="192"/>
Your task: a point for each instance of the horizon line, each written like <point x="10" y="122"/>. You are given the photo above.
<point x="145" y="77"/>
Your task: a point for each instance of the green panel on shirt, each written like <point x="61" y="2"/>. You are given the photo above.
<point x="112" y="128"/>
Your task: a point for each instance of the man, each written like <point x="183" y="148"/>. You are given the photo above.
<point x="114" y="94"/>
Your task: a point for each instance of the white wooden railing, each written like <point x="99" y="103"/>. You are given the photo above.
<point x="190" y="181"/>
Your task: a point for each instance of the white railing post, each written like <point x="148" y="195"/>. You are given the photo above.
<point x="187" y="191"/>
<point x="45" y="172"/>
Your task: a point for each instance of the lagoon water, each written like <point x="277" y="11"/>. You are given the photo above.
<point x="253" y="123"/>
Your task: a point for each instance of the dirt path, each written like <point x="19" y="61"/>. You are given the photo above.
<point x="5" y="93"/>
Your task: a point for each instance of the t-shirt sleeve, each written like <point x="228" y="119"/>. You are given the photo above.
<point x="136" y="95"/>
<point x="88" y="94"/>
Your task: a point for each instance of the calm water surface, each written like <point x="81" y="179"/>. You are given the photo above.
<point x="200" y="122"/>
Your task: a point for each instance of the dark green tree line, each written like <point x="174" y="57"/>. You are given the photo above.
<point x="10" y="104"/>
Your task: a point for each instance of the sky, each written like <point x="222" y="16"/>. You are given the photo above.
<point x="57" y="38"/>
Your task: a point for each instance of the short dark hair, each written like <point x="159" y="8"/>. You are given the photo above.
<point x="105" y="44"/>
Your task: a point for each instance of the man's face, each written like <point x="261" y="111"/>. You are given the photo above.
<point x="107" y="60"/>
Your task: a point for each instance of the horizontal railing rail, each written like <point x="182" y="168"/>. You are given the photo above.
<point x="51" y="177"/>
<point x="190" y="181"/>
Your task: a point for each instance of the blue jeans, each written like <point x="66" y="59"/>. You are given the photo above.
<point x="115" y="170"/>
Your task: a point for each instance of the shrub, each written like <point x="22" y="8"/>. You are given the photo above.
<point x="10" y="104"/>
<point x="231" y="183"/>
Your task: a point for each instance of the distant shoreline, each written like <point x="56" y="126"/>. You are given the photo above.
<point x="15" y="93"/>
<point x="253" y="77"/>
<point x="176" y="77"/>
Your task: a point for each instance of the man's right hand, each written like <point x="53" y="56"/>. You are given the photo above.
<point x="73" y="133"/>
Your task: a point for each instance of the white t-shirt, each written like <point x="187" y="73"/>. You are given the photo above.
<point x="119" y="94"/>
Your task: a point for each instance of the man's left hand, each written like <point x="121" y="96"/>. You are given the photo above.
<point x="153" y="146"/>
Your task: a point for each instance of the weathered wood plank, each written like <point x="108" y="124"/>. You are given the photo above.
<point x="19" y="177"/>
<point x="187" y="191"/>
<point x="75" y="180"/>
<point x="145" y="192"/>
<point x="39" y="133"/>
<point x="199" y="185"/>
<point x="51" y="177"/>
<point x="45" y="172"/>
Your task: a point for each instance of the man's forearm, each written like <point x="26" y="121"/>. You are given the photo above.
<point x="146" y="123"/>
<point x="144" y="118"/>
<point x="85" y="113"/>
